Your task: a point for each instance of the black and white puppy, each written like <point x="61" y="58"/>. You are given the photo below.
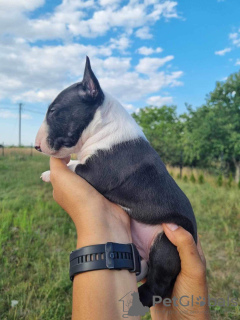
<point x="115" y="157"/>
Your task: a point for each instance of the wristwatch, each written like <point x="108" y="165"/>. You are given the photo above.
<point x="112" y="256"/>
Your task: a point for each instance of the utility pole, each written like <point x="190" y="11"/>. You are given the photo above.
<point x="20" y="119"/>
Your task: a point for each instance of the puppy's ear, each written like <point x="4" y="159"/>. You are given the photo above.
<point x="90" y="89"/>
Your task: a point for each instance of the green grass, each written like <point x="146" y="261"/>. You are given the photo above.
<point x="36" y="237"/>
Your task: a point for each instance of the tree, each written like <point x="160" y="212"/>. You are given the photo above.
<point x="199" y="137"/>
<point x="163" y="128"/>
<point x="213" y="130"/>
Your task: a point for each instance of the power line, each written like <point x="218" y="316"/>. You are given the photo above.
<point x="33" y="111"/>
<point x="3" y="108"/>
<point x="23" y="109"/>
<point x="20" y="109"/>
<point x="15" y="107"/>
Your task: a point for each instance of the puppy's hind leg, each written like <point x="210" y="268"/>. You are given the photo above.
<point x="164" y="266"/>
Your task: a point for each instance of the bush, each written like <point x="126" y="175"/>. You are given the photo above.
<point x="230" y="180"/>
<point x="192" y="178"/>
<point x="178" y="176"/>
<point x="171" y="174"/>
<point x="220" y="180"/>
<point x="185" y="178"/>
<point x="239" y="184"/>
<point x="201" y="178"/>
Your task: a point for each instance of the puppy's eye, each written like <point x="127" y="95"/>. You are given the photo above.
<point x="54" y="107"/>
<point x="52" y="110"/>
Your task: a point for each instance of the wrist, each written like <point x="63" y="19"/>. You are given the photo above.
<point x="99" y="235"/>
<point x="88" y="240"/>
<point x="110" y="225"/>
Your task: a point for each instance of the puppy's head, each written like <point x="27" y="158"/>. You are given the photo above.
<point x="68" y="115"/>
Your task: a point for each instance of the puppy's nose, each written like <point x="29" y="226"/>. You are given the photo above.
<point x="38" y="148"/>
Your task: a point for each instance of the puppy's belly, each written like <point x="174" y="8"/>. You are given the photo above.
<point x="143" y="236"/>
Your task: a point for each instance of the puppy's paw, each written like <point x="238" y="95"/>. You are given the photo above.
<point x="45" y="176"/>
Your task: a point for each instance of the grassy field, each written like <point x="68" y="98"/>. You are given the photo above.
<point x="36" y="237"/>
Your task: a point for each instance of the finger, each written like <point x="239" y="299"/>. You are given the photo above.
<point x="56" y="163"/>
<point x="191" y="262"/>
<point x="64" y="179"/>
<point x="54" y="196"/>
<point x="67" y="159"/>
<point x="58" y="170"/>
<point x="200" y="251"/>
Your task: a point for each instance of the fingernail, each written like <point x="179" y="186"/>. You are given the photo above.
<point x="172" y="226"/>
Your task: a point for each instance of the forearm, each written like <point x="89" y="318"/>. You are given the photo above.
<point x="96" y="294"/>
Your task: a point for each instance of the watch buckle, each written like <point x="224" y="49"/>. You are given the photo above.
<point x="136" y="260"/>
<point x="109" y="255"/>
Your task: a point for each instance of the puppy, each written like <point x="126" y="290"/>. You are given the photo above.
<point x="115" y="157"/>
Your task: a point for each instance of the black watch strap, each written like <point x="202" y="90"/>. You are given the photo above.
<point x="105" y="256"/>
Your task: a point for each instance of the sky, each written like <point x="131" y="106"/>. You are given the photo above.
<point x="144" y="52"/>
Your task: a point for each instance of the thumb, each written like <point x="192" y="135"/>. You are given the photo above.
<point x="65" y="181"/>
<point x="58" y="169"/>
<point x="62" y="177"/>
<point x="191" y="262"/>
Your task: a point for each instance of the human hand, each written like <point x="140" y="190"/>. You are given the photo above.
<point x="97" y="220"/>
<point x="96" y="293"/>
<point x="191" y="280"/>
